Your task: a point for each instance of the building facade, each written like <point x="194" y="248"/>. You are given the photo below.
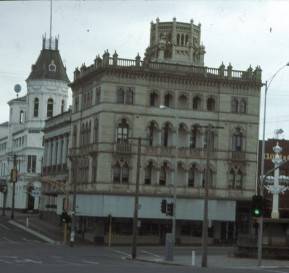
<point x="22" y="135"/>
<point x="55" y="168"/>
<point x="169" y="98"/>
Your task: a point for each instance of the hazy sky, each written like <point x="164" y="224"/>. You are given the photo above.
<point x="240" y="32"/>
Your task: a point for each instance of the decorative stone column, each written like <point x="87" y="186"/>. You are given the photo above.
<point x="276" y="188"/>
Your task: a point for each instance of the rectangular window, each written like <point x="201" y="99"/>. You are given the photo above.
<point x="31" y="164"/>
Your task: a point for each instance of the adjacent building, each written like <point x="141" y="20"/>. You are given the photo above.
<point x="169" y="98"/>
<point x="22" y="135"/>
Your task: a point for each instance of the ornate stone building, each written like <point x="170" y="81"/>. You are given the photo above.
<point x="116" y="100"/>
<point x="22" y="135"/>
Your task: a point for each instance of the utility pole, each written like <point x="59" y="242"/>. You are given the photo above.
<point x="73" y="216"/>
<point x="13" y="180"/>
<point x="4" y="200"/>
<point x="136" y="204"/>
<point x="205" y="220"/>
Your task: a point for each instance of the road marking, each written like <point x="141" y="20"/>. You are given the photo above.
<point x="275" y="271"/>
<point x="89" y="262"/>
<point x="150" y="253"/>
<point x="122" y="253"/>
<point x="5" y="227"/>
<point x="31" y="261"/>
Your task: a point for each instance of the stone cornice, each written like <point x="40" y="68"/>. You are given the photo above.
<point x="183" y="75"/>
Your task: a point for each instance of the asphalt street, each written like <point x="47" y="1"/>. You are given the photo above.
<point x="22" y="252"/>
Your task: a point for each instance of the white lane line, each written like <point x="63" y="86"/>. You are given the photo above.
<point x="89" y="262"/>
<point x="5" y="227"/>
<point x="121" y="252"/>
<point x="150" y="253"/>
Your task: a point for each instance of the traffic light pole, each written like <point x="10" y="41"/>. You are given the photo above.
<point x="14" y="179"/>
<point x="205" y="220"/>
<point x="136" y="203"/>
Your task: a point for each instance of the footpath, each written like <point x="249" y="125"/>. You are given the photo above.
<point x="224" y="260"/>
<point x="41" y="228"/>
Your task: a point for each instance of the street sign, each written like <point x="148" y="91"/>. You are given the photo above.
<point x="35" y="193"/>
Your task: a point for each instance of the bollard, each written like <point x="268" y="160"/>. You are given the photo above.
<point x="27" y="221"/>
<point x="193" y="257"/>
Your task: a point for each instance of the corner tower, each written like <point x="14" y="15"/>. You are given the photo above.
<point x="47" y="84"/>
<point x="175" y="42"/>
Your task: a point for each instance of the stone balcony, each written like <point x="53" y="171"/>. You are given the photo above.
<point x="83" y="150"/>
<point x="183" y="152"/>
<point x="238" y="156"/>
<point x="123" y="148"/>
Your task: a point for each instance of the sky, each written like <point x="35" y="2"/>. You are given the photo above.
<point x="241" y="32"/>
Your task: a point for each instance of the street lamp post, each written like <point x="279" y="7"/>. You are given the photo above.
<point x="174" y="184"/>
<point x="261" y="186"/>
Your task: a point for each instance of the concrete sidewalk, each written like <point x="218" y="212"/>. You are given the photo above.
<point x="220" y="261"/>
<point x="44" y="227"/>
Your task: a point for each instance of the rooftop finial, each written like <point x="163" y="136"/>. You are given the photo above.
<point x="50" y="28"/>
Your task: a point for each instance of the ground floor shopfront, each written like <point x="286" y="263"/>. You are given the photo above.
<point x="107" y="218"/>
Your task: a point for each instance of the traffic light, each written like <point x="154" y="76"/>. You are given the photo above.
<point x="164" y="206"/>
<point x="170" y="209"/>
<point x="257" y="206"/>
<point x="65" y="218"/>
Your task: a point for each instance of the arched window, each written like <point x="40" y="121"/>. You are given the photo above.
<point x="122" y="131"/>
<point x="163" y="175"/>
<point x="116" y="173"/>
<point x="36" y="107"/>
<point x="121" y="173"/>
<point x="211" y="104"/>
<point x="21" y="117"/>
<point x="95" y="131"/>
<point x="62" y="106"/>
<point x="239" y="180"/>
<point x="182" y="39"/>
<point x="197" y="103"/>
<point x="148" y="173"/>
<point x="183" y="101"/>
<point x="50" y="108"/>
<point x="129" y="96"/>
<point x="152" y="130"/>
<point x="125" y="174"/>
<point x="82" y="132"/>
<point x="235" y="105"/>
<point x="237" y="140"/>
<point x="212" y="140"/>
<point x="232" y="178"/>
<point x="193" y="137"/>
<point x="166" y="134"/>
<point x="210" y="178"/>
<point x="154" y="99"/>
<point x="178" y="39"/>
<point x="243" y="106"/>
<point x="120" y="95"/>
<point x="186" y="40"/>
<point x="168" y="100"/>
<point x="191" y="178"/>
